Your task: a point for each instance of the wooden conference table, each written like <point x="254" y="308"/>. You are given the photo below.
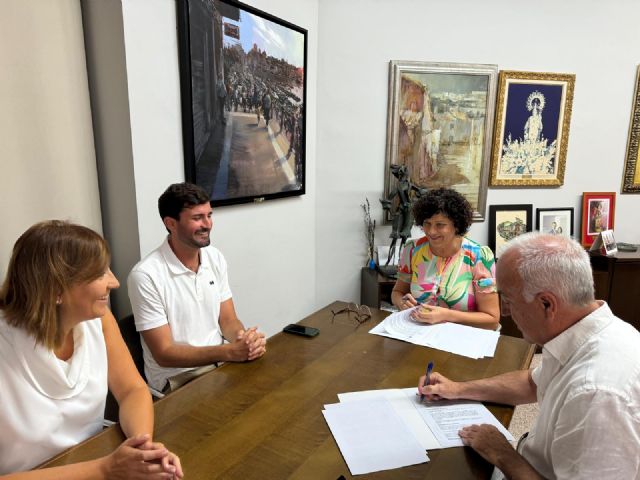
<point x="263" y="419"/>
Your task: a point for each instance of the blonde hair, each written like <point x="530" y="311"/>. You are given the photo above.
<point x="47" y="260"/>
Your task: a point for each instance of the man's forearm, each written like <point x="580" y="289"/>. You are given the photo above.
<point x="230" y="328"/>
<point x="180" y="355"/>
<point x="515" y="467"/>
<point x="512" y="388"/>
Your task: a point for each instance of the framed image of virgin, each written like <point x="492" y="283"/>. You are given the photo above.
<point x="631" y="176"/>
<point x="533" y="113"/>
<point x="243" y="90"/>
<point x="439" y="126"/>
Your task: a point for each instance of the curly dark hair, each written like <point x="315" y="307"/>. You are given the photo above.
<point x="180" y="196"/>
<point x="449" y="203"/>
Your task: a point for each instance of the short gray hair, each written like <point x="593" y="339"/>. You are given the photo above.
<point x="553" y="263"/>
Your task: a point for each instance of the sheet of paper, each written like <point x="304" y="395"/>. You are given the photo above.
<point x="402" y="402"/>
<point x="449" y="337"/>
<point x="372" y="437"/>
<point x="445" y="419"/>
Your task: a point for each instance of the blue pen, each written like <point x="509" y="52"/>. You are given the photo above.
<point x="426" y="378"/>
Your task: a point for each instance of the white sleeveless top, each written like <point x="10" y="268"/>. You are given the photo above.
<point x="46" y="406"/>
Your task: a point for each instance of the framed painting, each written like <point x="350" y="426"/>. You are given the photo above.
<point x="507" y="222"/>
<point x="439" y="127"/>
<point x="631" y="177"/>
<point x="556" y="221"/>
<point x="532" y="128"/>
<point x="598" y="214"/>
<point x="243" y="75"/>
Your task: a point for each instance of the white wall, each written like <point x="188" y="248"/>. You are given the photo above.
<point x="48" y="167"/>
<point x="270" y="247"/>
<point x="595" y="40"/>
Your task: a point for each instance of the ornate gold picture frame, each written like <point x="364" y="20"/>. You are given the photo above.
<point x="631" y="177"/>
<point x="533" y="114"/>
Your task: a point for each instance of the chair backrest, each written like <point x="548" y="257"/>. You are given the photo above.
<point x="132" y="339"/>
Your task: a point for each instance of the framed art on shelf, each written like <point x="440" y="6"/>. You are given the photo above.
<point x="598" y="214"/>
<point x="533" y="114"/>
<point x="507" y="222"/>
<point x="556" y="221"/>
<point x="243" y="75"/>
<point x="439" y="126"/>
<point x="631" y="176"/>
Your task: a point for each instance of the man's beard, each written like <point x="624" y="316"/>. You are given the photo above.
<point x="200" y="242"/>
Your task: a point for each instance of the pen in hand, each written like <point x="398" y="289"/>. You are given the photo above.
<point x="426" y="379"/>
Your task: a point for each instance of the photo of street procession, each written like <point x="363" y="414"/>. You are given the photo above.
<point x="245" y="140"/>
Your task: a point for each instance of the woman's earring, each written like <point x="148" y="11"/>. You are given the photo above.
<point x="59" y="300"/>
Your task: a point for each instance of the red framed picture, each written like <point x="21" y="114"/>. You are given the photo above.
<point x="598" y="214"/>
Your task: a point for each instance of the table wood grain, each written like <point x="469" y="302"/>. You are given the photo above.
<point x="263" y="419"/>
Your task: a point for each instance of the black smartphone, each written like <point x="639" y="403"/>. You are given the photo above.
<point x="301" y="330"/>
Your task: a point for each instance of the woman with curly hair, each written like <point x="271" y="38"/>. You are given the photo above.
<point x="449" y="275"/>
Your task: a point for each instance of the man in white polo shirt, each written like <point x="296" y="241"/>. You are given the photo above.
<point x="181" y="298"/>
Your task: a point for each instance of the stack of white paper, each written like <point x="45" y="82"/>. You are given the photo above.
<point x="449" y="337"/>
<point x="372" y="437"/>
<point x="385" y="429"/>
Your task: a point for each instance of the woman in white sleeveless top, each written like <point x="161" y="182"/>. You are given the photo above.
<point x="60" y="348"/>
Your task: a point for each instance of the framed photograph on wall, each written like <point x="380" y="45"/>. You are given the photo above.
<point x="598" y="214"/>
<point x="439" y="126"/>
<point x="556" y="221"/>
<point x="533" y="114"/>
<point x="507" y="222"/>
<point x="631" y="176"/>
<point x="243" y="75"/>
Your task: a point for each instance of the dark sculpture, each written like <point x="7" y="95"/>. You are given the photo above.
<point x="398" y="203"/>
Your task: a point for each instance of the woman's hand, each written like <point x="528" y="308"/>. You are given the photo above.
<point x="407" y="301"/>
<point x="170" y="462"/>
<point x="431" y="314"/>
<point x="139" y="458"/>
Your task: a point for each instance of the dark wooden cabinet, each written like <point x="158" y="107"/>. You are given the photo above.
<point x="374" y="288"/>
<point x="617" y="280"/>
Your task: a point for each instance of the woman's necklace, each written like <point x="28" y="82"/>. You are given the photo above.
<point x="442" y="263"/>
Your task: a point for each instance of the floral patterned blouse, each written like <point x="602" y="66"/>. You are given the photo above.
<point x="450" y="282"/>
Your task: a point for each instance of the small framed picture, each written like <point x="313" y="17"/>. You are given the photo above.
<point x="598" y="215"/>
<point x="507" y="222"/>
<point x="556" y="221"/>
<point x="605" y="243"/>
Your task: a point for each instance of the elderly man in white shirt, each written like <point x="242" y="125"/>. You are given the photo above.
<point x="588" y="384"/>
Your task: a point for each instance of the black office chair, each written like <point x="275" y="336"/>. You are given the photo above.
<point x="132" y="339"/>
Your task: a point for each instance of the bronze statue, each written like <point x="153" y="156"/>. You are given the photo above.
<point x="398" y="203"/>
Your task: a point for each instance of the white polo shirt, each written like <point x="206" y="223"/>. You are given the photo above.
<point x="163" y="291"/>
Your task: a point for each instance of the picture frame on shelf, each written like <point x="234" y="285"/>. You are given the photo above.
<point x="598" y="215"/>
<point x="556" y="221"/>
<point x="533" y="115"/>
<point x="631" y="175"/>
<point x="605" y="243"/>
<point x="440" y="126"/>
<point x="507" y="222"/>
<point x="243" y="83"/>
